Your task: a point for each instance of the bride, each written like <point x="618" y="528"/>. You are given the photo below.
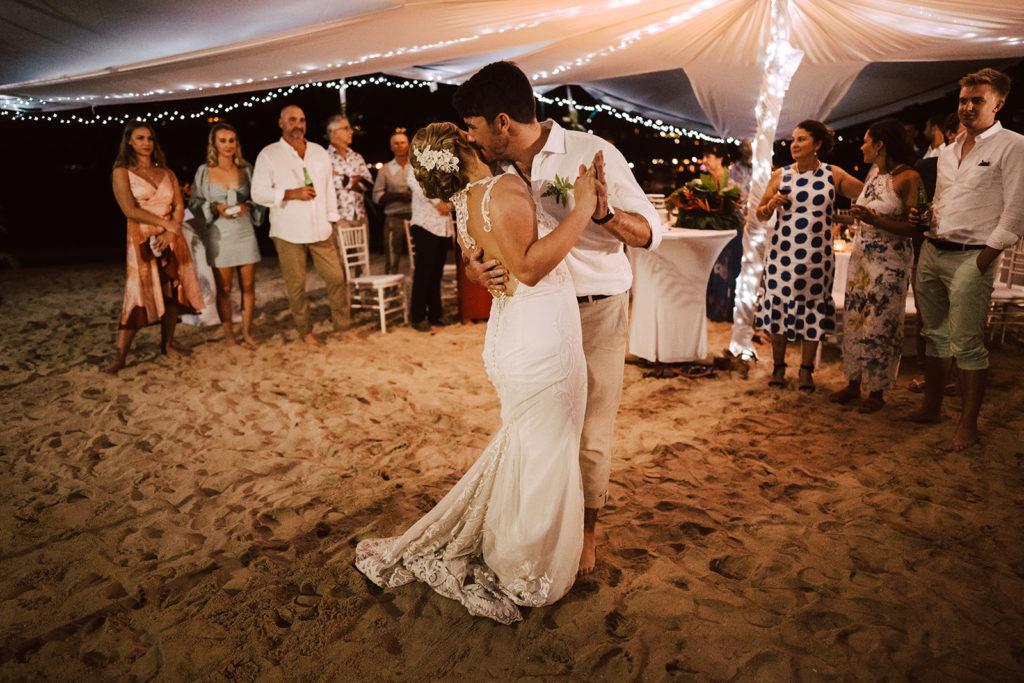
<point x="510" y="531"/>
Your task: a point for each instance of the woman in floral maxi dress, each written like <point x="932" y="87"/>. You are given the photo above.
<point x="880" y="265"/>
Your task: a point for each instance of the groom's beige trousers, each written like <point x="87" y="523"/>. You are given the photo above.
<point x="605" y="331"/>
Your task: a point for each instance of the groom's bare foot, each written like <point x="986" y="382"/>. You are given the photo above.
<point x="588" y="558"/>
<point x="312" y="340"/>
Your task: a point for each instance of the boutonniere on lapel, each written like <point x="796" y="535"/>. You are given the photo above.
<point x="984" y="163"/>
<point x="559" y="190"/>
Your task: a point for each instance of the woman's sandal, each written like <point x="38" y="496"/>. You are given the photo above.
<point x="807" y="388"/>
<point x="778" y="381"/>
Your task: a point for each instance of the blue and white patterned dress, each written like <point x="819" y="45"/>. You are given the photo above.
<point x="796" y="287"/>
<point x="876" y="292"/>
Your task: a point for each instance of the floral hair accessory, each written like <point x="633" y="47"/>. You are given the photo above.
<point x="437" y="159"/>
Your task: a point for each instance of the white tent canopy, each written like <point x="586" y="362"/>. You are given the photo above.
<point x="696" y="63"/>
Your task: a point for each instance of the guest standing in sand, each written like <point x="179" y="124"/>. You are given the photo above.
<point x="293" y="177"/>
<point x="880" y="265"/>
<point x="161" y="280"/>
<point x="220" y="192"/>
<point x="977" y="212"/>
<point x="796" y="287"/>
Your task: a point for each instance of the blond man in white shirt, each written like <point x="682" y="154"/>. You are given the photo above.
<point x="293" y="177"/>
<point x="978" y="211"/>
<point x="499" y="109"/>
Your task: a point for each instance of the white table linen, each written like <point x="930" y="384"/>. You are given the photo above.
<point x="669" y="322"/>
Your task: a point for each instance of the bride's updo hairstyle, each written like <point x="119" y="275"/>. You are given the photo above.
<point x="438" y="157"/>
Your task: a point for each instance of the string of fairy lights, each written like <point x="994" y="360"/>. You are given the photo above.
<point x="342" y="85"/>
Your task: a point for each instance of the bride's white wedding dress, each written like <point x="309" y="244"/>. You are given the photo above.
<point x="510" y="532"/>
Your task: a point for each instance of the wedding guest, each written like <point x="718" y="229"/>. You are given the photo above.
<point x="161" y="279"/>
<point x="391" y="191"/>
<point x="431" y="232"/>
<point x="953" y="128"/>
<point x="796" y="287"/>
<point x="881" y="262"/>
<point x="220" y="192"/>
<point x="741" y="172"/>
<point x="935" y="133"/>
<point x="978" y="211"/>
<point x="350" y="174"/>
<point x="293" y="178"/>
<point x="721" y="289"/>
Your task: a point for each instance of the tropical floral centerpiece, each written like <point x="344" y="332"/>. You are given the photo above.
<point x="702" y="204"/>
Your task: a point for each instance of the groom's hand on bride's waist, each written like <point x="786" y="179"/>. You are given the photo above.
<point x="490" y="274"/>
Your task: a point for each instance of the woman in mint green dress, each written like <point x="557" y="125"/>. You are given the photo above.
<point x="220" y="193"/>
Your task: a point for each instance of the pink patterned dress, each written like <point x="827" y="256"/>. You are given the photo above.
<point x="151" y="279"/>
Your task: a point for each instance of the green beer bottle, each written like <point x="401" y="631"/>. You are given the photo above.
<point x="306" y="178"/>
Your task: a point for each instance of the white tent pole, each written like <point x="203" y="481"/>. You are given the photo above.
<point x="780" y="60"/>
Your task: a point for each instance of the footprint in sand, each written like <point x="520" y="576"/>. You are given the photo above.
<point x="733" y="566"/>
<point x="617" y="625"/>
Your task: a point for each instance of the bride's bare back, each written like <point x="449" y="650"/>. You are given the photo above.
<point x="502" y="194"/>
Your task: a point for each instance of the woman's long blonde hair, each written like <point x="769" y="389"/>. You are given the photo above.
<point x="211" y="146"/>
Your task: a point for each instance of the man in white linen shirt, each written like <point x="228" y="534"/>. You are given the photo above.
<point x="500" y="111"/>
<point x="391" y="191"/>
<point x="978" y="211"/>
<point x="431" y="232"/>
<point x="293" y="177"/>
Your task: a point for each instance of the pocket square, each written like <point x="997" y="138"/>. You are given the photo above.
<point x="984" y="163"/>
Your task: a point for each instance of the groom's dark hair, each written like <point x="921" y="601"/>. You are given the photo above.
<point x="499" y="87"/>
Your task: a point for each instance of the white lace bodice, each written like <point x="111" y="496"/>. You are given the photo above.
<point x="558" y="277"/>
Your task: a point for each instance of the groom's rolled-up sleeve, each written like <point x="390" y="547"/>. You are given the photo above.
<point x="625" y="193"/>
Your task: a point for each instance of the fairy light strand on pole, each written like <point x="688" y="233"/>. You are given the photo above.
<point x="781" y="60"/>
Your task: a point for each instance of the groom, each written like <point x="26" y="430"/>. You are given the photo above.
<point x="500" y="112"/>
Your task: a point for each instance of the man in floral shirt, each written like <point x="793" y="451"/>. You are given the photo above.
<point x="351" y="176"/>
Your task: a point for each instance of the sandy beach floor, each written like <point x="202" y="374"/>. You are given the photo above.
<point x="196" y="520"/>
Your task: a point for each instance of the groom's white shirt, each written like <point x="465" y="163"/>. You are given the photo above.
<point x="598" y="262"/>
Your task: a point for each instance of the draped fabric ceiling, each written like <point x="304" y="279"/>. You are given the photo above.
<point x="695" y="63"/>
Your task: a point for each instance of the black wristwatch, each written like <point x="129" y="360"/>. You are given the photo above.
<point x="607" y="217"/>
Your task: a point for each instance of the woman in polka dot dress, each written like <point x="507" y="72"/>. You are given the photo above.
<point x="795" y="302"/>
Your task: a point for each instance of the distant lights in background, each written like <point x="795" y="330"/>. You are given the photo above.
<point x="214" y="112"/>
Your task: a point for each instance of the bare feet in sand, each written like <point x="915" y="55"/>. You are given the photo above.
<point x="846" y="394"/>
<point x="115" y="365"/>
<point x="250" y="342"/>
<point x="173" y="350"/>
<point x="964" y="437"/>
<point x="312" y="340"/>
<point x="588" y="557"/>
